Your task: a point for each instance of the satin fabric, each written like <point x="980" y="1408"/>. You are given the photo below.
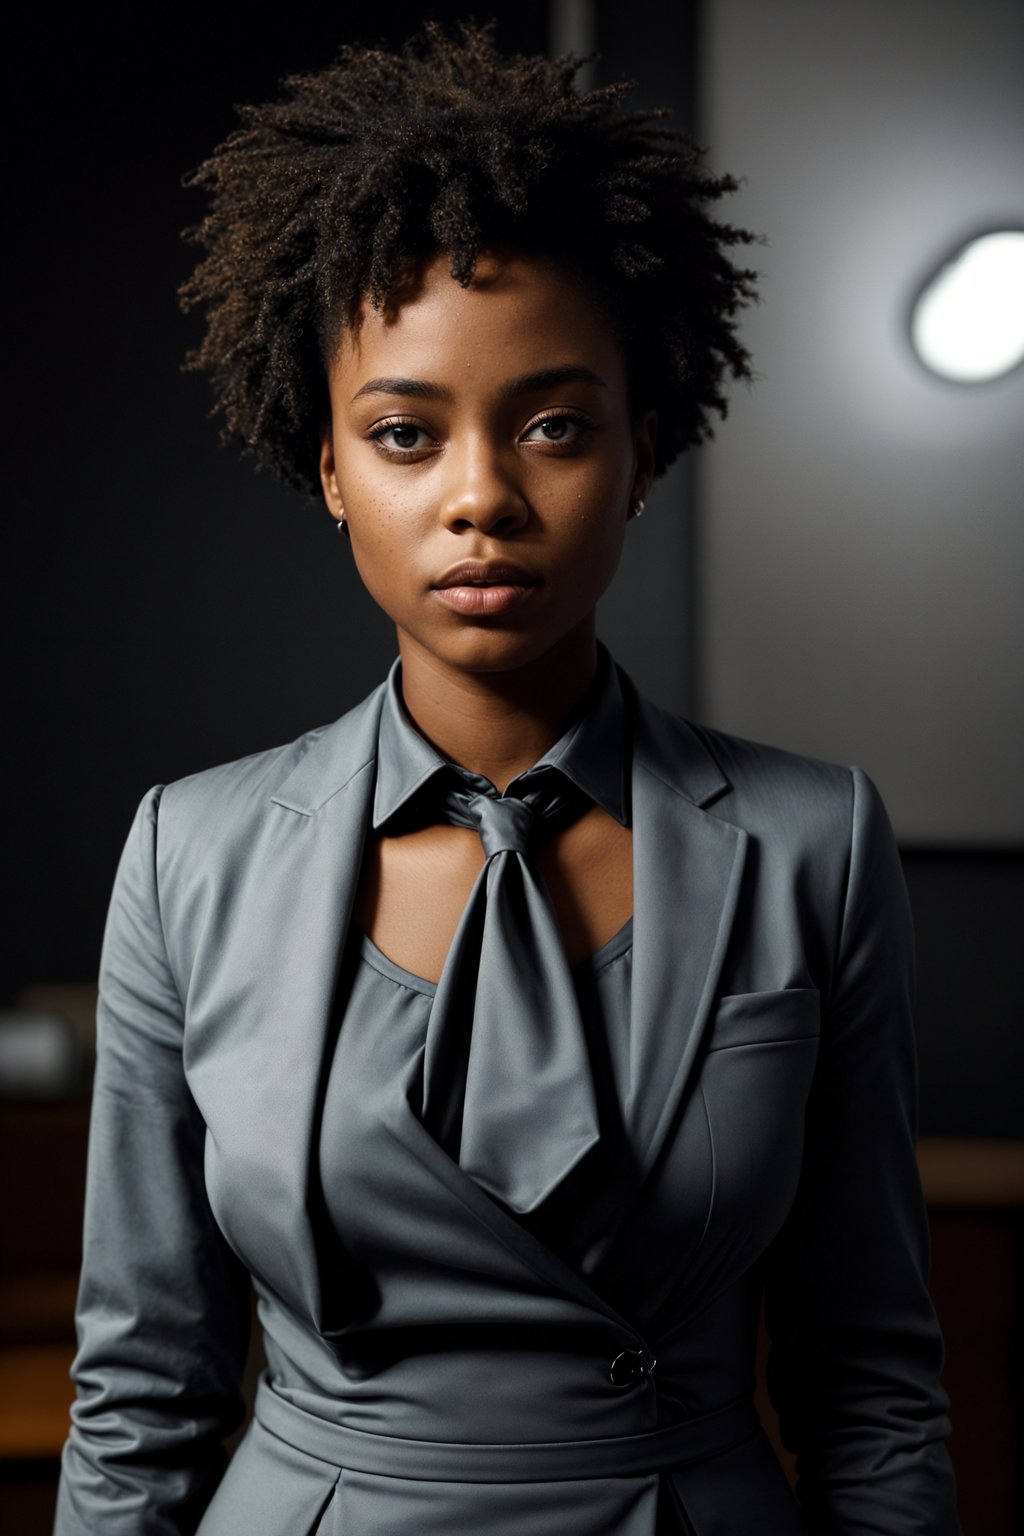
<point x="383" y="1021"/>
<point x="506" y="1083"/>
<point x="506" y="1079"/>
<point x="767" y="1148"/>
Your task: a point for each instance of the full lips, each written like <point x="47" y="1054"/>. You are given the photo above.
<point x="478" y="601"/>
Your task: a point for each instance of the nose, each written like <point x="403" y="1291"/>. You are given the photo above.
<point x="481" y="492"/>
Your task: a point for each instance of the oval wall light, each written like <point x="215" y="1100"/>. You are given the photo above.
<point x="967" y="321"/>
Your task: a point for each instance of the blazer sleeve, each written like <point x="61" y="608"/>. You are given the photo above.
<point x="855" y="1347"/>
<point x="163" y="1305"/>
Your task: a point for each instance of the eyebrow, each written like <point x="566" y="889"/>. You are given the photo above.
<point x="525" y="384"/>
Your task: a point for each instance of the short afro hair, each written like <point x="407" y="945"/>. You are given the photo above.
<point x="326" y="198"/>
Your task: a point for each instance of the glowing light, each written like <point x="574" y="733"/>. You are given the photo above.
<point x="967" y="323"/>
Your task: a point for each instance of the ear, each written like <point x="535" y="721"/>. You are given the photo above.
<point x="329" y="476"/>
<point x="643" y="447"/>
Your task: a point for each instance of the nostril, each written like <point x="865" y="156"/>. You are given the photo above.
<point x="492" y="519"/>
<point x="478" y="524"/>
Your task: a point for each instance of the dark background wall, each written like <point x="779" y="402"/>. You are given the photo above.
<point x="166" y="607"/>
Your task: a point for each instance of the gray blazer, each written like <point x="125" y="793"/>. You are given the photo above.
<point x="446" y="1370"/>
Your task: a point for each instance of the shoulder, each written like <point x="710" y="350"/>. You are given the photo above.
<point x="228" y="788"/>
<point x="767" y="780"/>
<point x="813" y="822"/>
<point x="231" y="802"/>
<point x="798" y="809"/>
<point x="806" y="804"/>
<point x="749" y="783"/>
<point x="818" y="840"/>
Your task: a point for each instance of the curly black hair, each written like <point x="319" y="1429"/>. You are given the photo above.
<point x="329" y="196"/>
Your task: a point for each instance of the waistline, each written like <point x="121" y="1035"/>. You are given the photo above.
<point x="654" y="1450"/>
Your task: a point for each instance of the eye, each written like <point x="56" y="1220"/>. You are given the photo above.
<point x="560" y="428"/>
<point x="398" y="439"/>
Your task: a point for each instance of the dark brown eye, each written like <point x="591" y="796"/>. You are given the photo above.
<point x="398" y="437"/>
<point x="563" y="428"/>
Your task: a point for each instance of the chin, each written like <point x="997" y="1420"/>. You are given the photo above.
<point x="479" y="649"/>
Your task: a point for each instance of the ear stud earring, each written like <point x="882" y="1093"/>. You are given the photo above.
<point x="638" y="508"/>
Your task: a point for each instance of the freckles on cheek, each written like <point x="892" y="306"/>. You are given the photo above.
<point x="373" y="515"/>
<point x="379" y="536"/>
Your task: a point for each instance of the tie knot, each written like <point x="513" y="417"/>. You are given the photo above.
<point x="504" y="825"/>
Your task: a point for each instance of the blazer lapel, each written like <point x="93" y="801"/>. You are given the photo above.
<point x="687" y="868"/>
<point x="293" y="920"/>
<point x="517" y="1240"/>
<point x="287" y="934"/>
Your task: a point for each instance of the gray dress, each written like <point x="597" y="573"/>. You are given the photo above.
<point x="380" y="1044"/>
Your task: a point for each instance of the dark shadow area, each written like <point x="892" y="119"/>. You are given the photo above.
<point x="968" y="918"/>
<point x="166" y="608"/>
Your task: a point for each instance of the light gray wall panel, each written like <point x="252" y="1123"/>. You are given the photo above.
<point x="862" y="533"/>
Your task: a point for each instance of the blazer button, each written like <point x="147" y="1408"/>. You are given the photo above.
<point x="630" y="1366"/>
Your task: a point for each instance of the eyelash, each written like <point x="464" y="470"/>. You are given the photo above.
<point x="583" y="429"/>
<point x="583" y="426"/>
<point x="376" y="436"/>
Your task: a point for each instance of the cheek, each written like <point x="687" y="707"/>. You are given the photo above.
<point x="600" y="529"/>
<point x="375" y="553"/>
<point x="605" y="554"/>
<point x="384" y="550"/>
<point x="377" y="519"/>
<point x="588" y="500"/>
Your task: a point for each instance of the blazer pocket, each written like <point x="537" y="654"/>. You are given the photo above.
<point x="765" y="1018"/>
<point x="757" y="1074"/>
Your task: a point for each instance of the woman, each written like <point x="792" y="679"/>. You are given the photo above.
<point x="509" y="1036"/>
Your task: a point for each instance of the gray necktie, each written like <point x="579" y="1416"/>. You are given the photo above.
<point x="507" y="1085"/>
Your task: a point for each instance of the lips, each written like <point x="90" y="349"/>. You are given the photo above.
<point x="485" y="573"/>
<point x="479" y="588"/>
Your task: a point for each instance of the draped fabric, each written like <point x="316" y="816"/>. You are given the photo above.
<point x="384" y="1020"/>
<point x="507" y="1084"/>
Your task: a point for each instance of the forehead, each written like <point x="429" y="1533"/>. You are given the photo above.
<point x="518" y="314"/>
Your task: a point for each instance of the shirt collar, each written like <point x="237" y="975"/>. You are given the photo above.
<point x="591" y="752"/>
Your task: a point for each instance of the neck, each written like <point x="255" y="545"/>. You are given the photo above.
<point x="497" y="723"/>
